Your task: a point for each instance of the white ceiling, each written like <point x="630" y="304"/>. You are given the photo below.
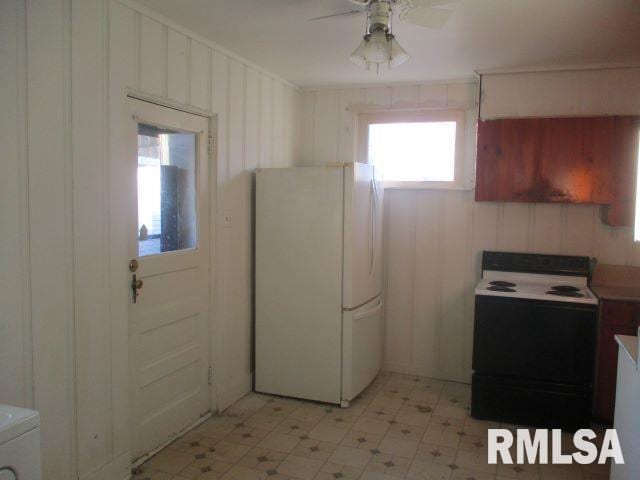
<point x="482" y="34"/>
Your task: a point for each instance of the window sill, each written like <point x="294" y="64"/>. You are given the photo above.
<point x="425" y="186"/>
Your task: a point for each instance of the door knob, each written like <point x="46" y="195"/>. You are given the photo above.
<point x="136" y="285"/>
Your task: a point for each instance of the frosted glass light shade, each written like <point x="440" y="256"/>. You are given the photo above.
<point x="398" y="54"/>
<point x="380" y="50"/>
<point x="378" y="47"/>
<point x="357" y="57"/>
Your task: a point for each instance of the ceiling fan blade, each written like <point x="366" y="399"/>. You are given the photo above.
<point x="342" y="14"/>
<point x="426" y="17"/>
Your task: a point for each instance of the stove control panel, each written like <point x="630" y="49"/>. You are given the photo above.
<point x="536" y="263"/>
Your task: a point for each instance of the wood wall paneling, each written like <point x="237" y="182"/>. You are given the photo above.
<point x="123" y="51"/>
<point x="90" y="148"/>
<point x="606" y="91"/>
<point x="399" y="295"/>
<point x="15" y="319"/>
<point x="177" y="61"/>
<point x="266" y="124"/>
<point x="427" y="278"/>
<point x="151" y="60"/>
<point x="200" y="75"/>
<point x="279" y="127"/>
<point x="347" y="116"/>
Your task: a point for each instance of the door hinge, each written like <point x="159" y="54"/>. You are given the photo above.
<point x="210" y="146"/>
<point x="210" y="377"/>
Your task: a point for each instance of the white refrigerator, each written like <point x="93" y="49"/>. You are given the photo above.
<point x="318" y="270"/>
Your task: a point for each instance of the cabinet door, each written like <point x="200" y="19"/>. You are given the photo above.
<point x="624" y="166"/>
<point x="619" y="313"/>
<point x="508" y="160"/>
<point x="576" y="160"/>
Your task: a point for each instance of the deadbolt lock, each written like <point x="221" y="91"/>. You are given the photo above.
<point x="133" y="265"/>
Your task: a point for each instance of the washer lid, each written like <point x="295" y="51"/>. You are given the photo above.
<point x="15" y="421"/>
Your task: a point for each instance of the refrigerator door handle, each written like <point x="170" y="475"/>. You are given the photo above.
<point x="374" y="213"/>
<point x="366" y="313"/>
<point x="372" y="238"/>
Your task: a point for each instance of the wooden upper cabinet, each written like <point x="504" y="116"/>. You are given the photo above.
<point x="626" y="147"/>
<point x="564" y="160"/>
<point x="576" y="160"/>
<point x="508" y="166"/>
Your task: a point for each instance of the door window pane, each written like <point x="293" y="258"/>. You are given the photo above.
<point x="166" y="190"/>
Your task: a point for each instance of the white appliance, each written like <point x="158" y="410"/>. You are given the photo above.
<point x="534" y="286"/>
<point x="19" y="444"/>
<point x="318" y="281"/>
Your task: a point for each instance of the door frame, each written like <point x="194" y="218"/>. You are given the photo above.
<point x="212" y="171"/>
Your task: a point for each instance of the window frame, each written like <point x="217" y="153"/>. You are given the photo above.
<point x="418" y="116"/>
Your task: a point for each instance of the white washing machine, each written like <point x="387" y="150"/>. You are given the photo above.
<point x="19" y="444"/>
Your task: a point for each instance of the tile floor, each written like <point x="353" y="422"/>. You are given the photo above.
<point x="400" y="427"/>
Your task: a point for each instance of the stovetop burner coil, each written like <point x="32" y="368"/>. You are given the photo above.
<point x="502" y="283"/>
<point x="570" y="293"/>
<point x="565" y="288"/>
<point x="498" y="288"/>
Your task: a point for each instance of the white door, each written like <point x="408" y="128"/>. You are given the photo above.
<point x="168" y="273"/>
<point x="363" y="235"/>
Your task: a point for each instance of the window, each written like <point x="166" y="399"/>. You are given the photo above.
<point x="166" y="190"/>
<point x="418" y="149"/>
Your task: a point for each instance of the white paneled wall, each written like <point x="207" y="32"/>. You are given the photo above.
<point x="65" y="70"/>
<point x="434" y="245"/>
<point x="15" y="354"/>
<point x="434" y="238"/>
<point x="36" y="264"/>
<point x="596" y="91"/>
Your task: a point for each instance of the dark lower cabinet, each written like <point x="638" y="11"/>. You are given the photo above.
<point x="533" y="362"/>
<point x="616" y="318"/>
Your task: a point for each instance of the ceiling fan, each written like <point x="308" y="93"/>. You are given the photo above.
<point x="379" y="47"/>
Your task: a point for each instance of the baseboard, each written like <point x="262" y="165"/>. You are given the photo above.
<point x="420" y="371"/>
<point x="234" y="392"/>
<point x="118" y="469"/>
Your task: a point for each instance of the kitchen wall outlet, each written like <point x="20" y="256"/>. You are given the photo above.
<point x="227" y="221"/>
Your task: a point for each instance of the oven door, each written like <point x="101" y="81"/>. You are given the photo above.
<point x="537" y="340"/>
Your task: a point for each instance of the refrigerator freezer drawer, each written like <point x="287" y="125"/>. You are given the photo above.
<point x="361" y="347"/>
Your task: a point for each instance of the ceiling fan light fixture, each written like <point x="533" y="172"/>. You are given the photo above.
<point x="358" y="57"/>
<point x="398" y="55"/>
<point x="378" y="47"/>
<point x="379" y="51"/>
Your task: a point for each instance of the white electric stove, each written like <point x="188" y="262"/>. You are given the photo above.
<point x="535" y="286"/>
<point x="534" y="345"/>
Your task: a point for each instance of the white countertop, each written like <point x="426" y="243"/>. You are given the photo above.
<point x="629" y="345"/>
